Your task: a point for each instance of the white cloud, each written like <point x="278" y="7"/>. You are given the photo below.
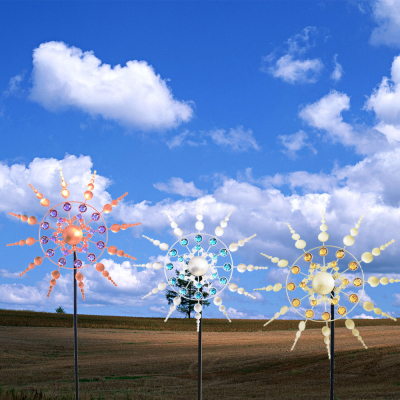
<point x="385" y="102"/>
<point x="7" y="274"/>
<point x="326" y="114"/>
<point x="387" y="15"/>
<point x="179" y="186"/>
<point x="43" y="173"/>
<point x="371" y="187"/>
<point x="290" y="67"/>
<point x="133" y="95"/>
<point x="296" y="71"/>
<point x="363" y="316"/>
<point x="338" y="71"/>
<point x="14" y="85"/>
<point x="238" y="139"/>
<point x="294" y="143"/>
<point x="183" y="139"/>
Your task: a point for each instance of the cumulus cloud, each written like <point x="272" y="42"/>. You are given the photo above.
<point x="370" y="187"/>
<point x="14" y="85"/>
<point x="295" y="142"/>
<point x="338" y="70"/>
<point x="43" y="173"/>
<point x="237" y="139"/>
<point x="292" y="67"/>
<point x="184" y="138"/>
<point x="133" y="95"/>
<point x="179" y="186"/>
<point x="385" y="102"/>
<point x="326" y="114"/>
<point x="386" y="13"/>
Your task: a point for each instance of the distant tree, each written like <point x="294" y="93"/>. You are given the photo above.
<point x="60" y="310"/>
<point x="187" y="306"/>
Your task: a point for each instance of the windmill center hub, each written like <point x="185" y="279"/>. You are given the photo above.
<point x="198" y="266"/>
<point x="72" y="234"/>
<point x="323" y="283"/>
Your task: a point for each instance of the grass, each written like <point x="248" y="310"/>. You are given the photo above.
<point x="42" y="319"/>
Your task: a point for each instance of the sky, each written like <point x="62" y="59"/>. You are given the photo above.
<point x="275" y="109"/>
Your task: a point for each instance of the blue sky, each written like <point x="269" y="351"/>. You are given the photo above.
<point x="274" y="109"/>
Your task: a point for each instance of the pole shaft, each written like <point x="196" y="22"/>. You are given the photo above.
<point x="332" y="345"/>
<point x="200" y="362"/>
<point x="75" y="334"/>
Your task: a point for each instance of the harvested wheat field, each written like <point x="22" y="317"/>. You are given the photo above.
<point x="140" y="364"/>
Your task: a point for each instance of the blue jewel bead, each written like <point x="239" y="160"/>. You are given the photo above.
<point x="213" y="241"/>
<point x="92" y="231"/>
<point x="223" y="280"/>
<point x="53" y="213"/>
<point x="59" y="220"/>
<point x="198" y="238"/>
<point x="79" y="216"/>
<point x="172" y="281"/>
<point x="100" y="245"/>
<point x="67" y="207"/>
<point x="62" y="262"/>
<point x="50" y="253"/>
<point x="53" y="239"/>
<point x="223" y="252"/>
<point x="198" y="247"/>
<point x="78" y="264"/>
<point x="199" y="285"/>
<point x="181" y="276"/>
<point x="101" y="229"/>
<point x="183" y="291"/>
<point x="95" y="216"/>
<point x="215" y="257"/>
<point x="213" y="291"/>
<point x="65" y="252"/>
<point x="44" y="240"/>
<point x="91" y="257"/>
<point x="45" y="225"/>
<point x="169" y="266"/>
<point x="214" y="275"/>
<point x="173" y="252"/>
<point x="227" y="267"/>
<point x="198" y="295"/>
<point x="84" y="249"/>
<point x="82" y="208"/>
<point x="184" y="242"/>
<point x="180" y="259"/>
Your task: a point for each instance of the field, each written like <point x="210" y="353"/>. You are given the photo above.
<point x="137" y="358"/>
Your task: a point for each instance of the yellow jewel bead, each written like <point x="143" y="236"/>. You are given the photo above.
<point x="326" y="316"/>
<point x="295" y="302"/>
<point x="341" y="310"/>
<point x="323" y="251"/>
<point x="307" y="257"/>
<point x="295" y="269"/>
<point x="309" y="313"/>
<point x="353" y="298"/>
<point x="357" y="282"/>
<point x="291" y="286"/>
<point x="340" y="254"/>
<point x="353" y="265"/>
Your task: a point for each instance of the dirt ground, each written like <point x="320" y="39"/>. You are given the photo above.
<point x="141" y="364"/>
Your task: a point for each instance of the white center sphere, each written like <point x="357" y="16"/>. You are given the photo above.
<point x="323" y="283"/>
<point x="198" y="266"/>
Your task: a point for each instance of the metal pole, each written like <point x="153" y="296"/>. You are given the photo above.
<point x="332" y="344"/>
<point x="75" y="334"/>
<point x="200" y="361"/>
